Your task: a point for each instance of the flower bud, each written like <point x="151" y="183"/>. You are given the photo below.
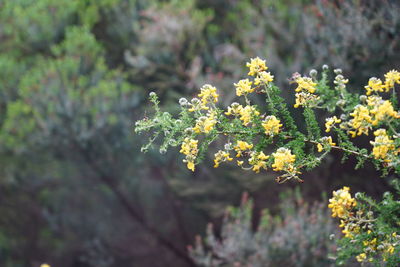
<point x="183" y="101"/>
<point x="325" y="67"/>
<point x="152" y="94"/>
<point x="313" y="73"/>
<point x="363" y="98"/>
<point x="337" y="71"/>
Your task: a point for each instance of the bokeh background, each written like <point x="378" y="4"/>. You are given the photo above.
<point x="75" y="190"/>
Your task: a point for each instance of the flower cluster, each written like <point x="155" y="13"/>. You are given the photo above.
<point x="243" y="87"/>
<point x="330" y="122"/>
<point x="376" y="85"/>
<point x="305" y="90"/>
<point x="325" y="143"/>
<point x="271" y="125"/>
<point x="205" y="124"/>
<point x="383" y="147"/>
<point x="365" y="117"/>
<point x="190" y="150"/>
<point x="342" y="203"/>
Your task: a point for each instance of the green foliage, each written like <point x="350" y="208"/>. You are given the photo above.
<point x="299" y="235"/>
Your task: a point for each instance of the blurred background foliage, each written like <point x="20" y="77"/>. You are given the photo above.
<point x="74" y="76"/>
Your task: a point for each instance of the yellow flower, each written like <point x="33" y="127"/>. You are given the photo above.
<point x="205" y="124"/>
<point x="391" y="78"/>
<point x="44" y="265"/>
<point x="243" y="87"/>
<point x="306" y="99"/>
<point x="263" y="78"/>
<point x="271" y="125"/>
<point x="374" y="85"/>
<point x="341" y="203"/>
<point x="235" y="109"/>
<point x="208" y="94"/>
<point x="362" y="257"/>
<point x="330" y="122"/>
<point x="361" y="121"/>
<point x="247" y="113"/>
<point x="190" y="150"/>
<point x="283" y="160"/>
<point x="381" y="109"/>
<point x="258" y="161"/>
<point x="242" y="146"/>
<point x="383" y="146"/>
<point x="221" y="156"/>
<point x="390" y="249"/>
<point x="305" y="84"/>
<point x="256" y="65"/>
<point x="327" y="141"/>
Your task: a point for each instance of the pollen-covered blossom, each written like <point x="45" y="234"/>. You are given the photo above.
<point x="235" y="109"/>
<point x="221" y="156"/>
<point x="243" y="87"/>
<point x="391" y="78"/>
<point x="381" y="109"/>
<point x="325" y="141"/>
<point x="341" y="203"/>
<point x="258" y="161"/>
<point x="247" y="113"/>
<point x="256" y="65"/>
<point x="374" y="85"/>
<point x="305" y="84"/>
<point x="242" y="146"/>
<point x="306" y="99"/>
<point x="190" y="150"/>
<point x="271" y="125"/>
<point x="330" y="122"/>
<point x="263" y="78"/>
<point x="361" y="122"/>
<point x="205" y="124"/>
<point x="283" y="160"/>
<point x="383" y="146"/>
<point x="208" y="94"/>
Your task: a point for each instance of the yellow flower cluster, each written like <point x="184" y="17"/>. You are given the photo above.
<point x="391" y="78"/>
<point x="271" y="125"/>
<point x="305" y="96"/>
<point x="256" y="65"/>
<point x="221" y="156"/>
<point x="247" y="113"/>
<point x="361" y="121"/>
<point x="330" y="122"/>
<point x="257" y="68"/>
<point x="205" y="124"/>
<point x="381" y="109"/>
<point x="341" y="203"/>
<point x="305" y="84"/>
<point x="365" y="117"/>
<point x="242" y="146"/>
<point x="383" y="146"/>
<point x="258" y="161"/>
<point x="243" y="87"/>
<point x="190" y="150"/>
<point x="376" y="85"/>
<point x="263" y="78"/>
<point x="325" y="142"/>
<point x="283" y="160"/>
<point x="208" y="94"/>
